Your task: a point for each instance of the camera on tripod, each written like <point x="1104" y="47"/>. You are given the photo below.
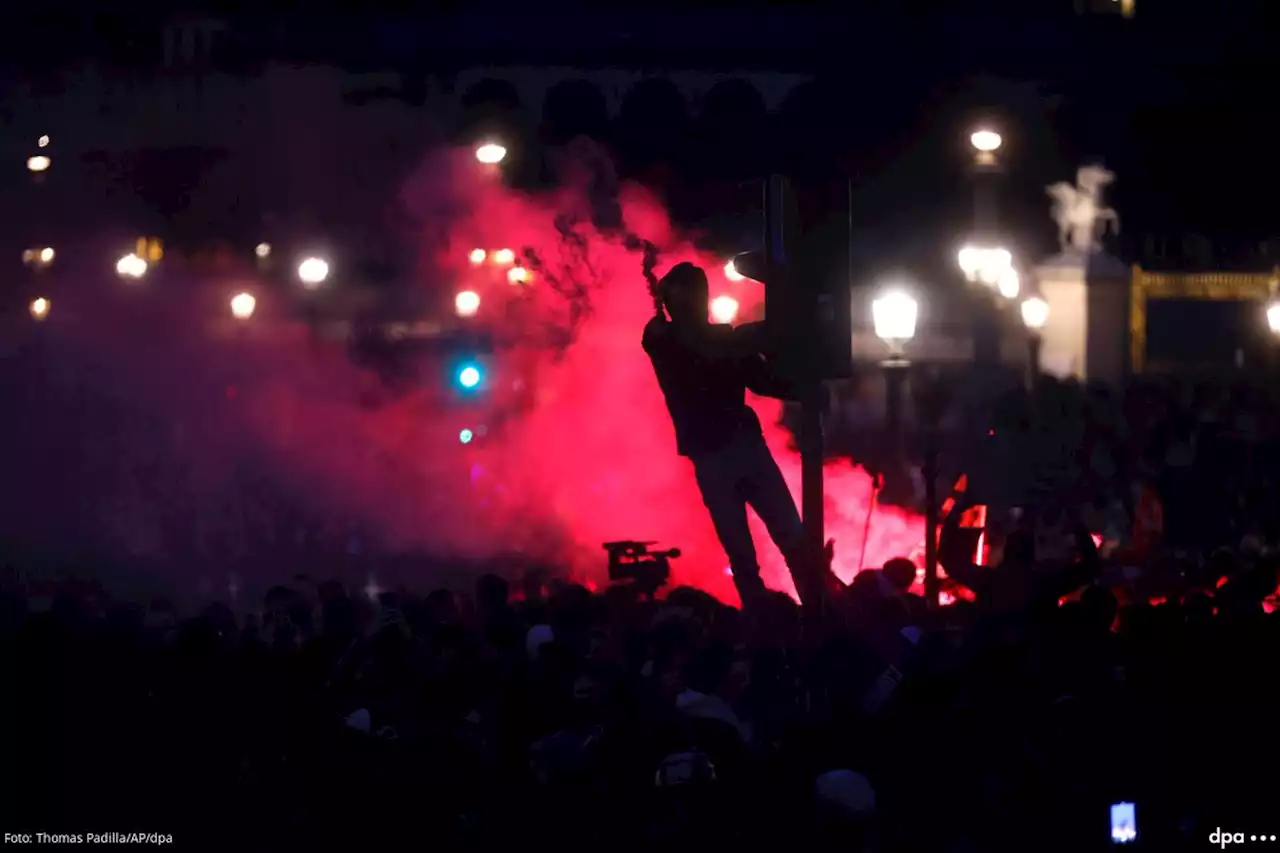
<point x="648" y="571"/>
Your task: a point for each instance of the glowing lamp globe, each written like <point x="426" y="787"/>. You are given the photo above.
<point x="894" y="315"/>
<point x="1273" y="317"/>
<point x="491" y="153"/>
<point x="504" y="257"/>
<point x="466" y="303"/>
<point x="243" y="305"/>
<point x="131" y="266"/>
<point x="986" y="140"/>
<point x="469" y="376"/>
<point x="39" y="308"/>
<point x="313" y="272"/>
<point x="724" y="309"/>
<point x="1009" y="283"/>
<point x="477" y="256"/>
<point x="1035" y="313"/>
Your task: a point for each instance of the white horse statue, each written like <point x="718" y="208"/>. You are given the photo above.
<point x="1081" y="216"/>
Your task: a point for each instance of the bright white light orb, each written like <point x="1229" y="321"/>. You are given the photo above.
<point x="986" y="140"/>
<point x="724" y="309"/>
<point x="894" y="315"/>
<point x="491" y="153"/>
<point x="1009" y="283"/>
<point x="131" y="266"/>
<point x="466" y="303"/>
<point x="1035" y="313"/>
<point x="313" y="272"/>
<point x="243" y="306"/>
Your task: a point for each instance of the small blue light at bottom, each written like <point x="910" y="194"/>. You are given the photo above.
<point x="465" y="436"/>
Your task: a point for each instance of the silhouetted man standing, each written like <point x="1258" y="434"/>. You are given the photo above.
<point x="704" y="371"/>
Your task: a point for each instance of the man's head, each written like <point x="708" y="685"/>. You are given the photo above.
<point x="685" y="293"/>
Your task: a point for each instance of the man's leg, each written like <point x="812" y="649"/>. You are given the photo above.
<point x="720" y="484"/>
<point x="767" y="493"/>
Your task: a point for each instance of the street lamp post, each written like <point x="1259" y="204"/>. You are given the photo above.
<point x="986" y="143"/>
<point x="894" y="315"/>
<point x="1035" y="314"/>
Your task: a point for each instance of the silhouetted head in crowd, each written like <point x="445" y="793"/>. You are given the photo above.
<point x="492" y="593"/>
<point x="685" y="293"/>
<point x="1100" y="607"/>
<point x="900" y="573"/>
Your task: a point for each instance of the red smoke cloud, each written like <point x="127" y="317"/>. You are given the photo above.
<point x="577" y="447"/>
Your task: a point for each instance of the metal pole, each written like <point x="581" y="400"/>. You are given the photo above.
<point x="811" y="455"/>
<point x="931" y="586"/>
<point x="897" y="484"/>
<point x="1034" y="344"/>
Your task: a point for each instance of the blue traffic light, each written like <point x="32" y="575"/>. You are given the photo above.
<point x="469" y="376"/>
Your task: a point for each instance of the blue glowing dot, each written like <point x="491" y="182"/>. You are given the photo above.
<point x="469" y="377"/>
<point x="465" y="436"/>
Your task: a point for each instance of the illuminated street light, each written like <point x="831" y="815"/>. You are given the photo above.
<point x="243" y="305"/>
<point x="1009" y="283"/>
<point x="1035" y="313"/>
<point x="131" y="266"/>
<point x="518" y="275"/>
<point x="38" y="163"/>
<point x="504" y="257"/>
<point x="39" y="308"/>
<point x="491" y="153"/>
<point x="477" y="256"/>
<point x="894" y="315"/>
<point x="724" y="309"/>
<point x="986" y="264"/>
<point x="313" y="272"/>
<point x="262" y="250"/>
<point x="731" y="272"/>
<point x="43" y="142"/>
<point x="986" y="143"/>
<point x="986" y="140"/>
<point x="1273" y="316"/>
<point x="466" y="303"/>
<point x="38" y="258"/>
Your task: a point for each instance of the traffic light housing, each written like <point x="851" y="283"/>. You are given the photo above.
<point x="805" y="275"/>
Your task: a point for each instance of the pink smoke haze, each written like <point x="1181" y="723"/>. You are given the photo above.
<point x="573" y="447"/>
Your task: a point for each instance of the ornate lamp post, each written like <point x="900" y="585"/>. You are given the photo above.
<point x="894" y="314"/>
<point x="1035" y="314"/>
